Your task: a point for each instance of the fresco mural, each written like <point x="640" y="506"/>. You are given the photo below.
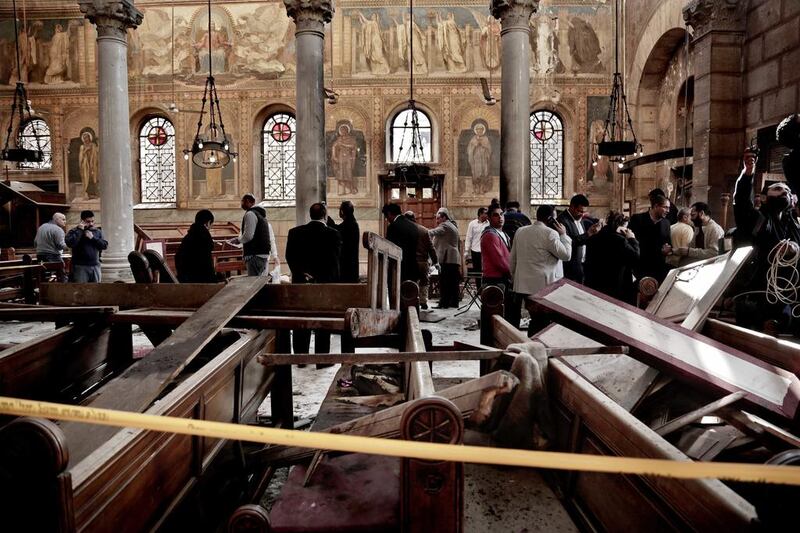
<point x="247" y="41"/>
<point x="346" y="159"/>
<point x="48" y="52"/>
<point x="478" y="158"/>
<point x="565" y="40"/>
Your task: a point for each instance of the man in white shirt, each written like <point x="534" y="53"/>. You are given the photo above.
<point x="537" y="255"/>
<point x="682" y="234"/>
<point x="705" y="241"/>
<point x="472" y="243"/>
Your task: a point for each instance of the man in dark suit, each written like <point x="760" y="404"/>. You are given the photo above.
<point x="425" y="251"/>
<point x="652" y="230"/>
<point x="403" y="233"/>
<point x="313" y="252"/>
<point x="571" y="218"/>
<point x="351" y="242"/>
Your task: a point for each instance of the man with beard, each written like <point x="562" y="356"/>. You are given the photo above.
<point x="765" y="227"/>
<point x="705" y="241"/>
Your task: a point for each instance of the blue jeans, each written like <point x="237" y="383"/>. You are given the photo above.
<point x="255" y="265"/>
<point x="86" y="274"/>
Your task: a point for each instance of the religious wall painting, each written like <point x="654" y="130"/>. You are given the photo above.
<point x="599" y="177"/>
<point x="214" y="183"/>
<point x="346" y="157"/>
<point x="48" y="52"/>
<point x="440" y="41"/>
<point x="83" y="164"/>
<point x="478" y="160"/>
<point x="247" y="42"/>
<point x="574" y="41"/>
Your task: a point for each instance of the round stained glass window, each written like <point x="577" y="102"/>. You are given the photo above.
<point x="281" y="132"/>
<point x="157" y="136"/>
<point x="543" y="130"/>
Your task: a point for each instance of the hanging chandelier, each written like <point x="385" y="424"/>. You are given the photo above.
<point x="210" y="148"/>
<point x="21" y="107"/>
<point x="619" y="139"/>
<point x="411" y="160"/>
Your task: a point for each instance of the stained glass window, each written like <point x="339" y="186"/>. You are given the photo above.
<point x="408" y="147"/>
<point x="547" y="157"/>
<point x="35" y="135"/>
<point x="278" y="157"/>
<point x="157" y="161"/>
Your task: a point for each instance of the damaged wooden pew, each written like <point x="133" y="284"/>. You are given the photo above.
<point x="71" y="477"/>
<point x="590" y="419"/>
<point x="412" y="495"/>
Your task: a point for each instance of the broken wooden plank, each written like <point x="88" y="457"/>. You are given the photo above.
<point x="361" y="358"/>
<point x="700" y="310"/>
<point x="697" y="414"/>
<point x="176" y="317"/>
<point x="137" y="387"/>
<point x="474" y="396"/>
<point x="685" y="286"/>
<point x="53" y="313"/>
<point x="672" y="348"/>
<point x="755" y="425"/>
<point x="779" y="352"/>
<point x="419" y="379"/>
<point x="622" y="378"/>
<point x="278" y="297"/>
<point x="365" y="322"/>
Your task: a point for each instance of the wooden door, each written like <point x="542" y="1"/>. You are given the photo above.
<point x="423" y="197"/>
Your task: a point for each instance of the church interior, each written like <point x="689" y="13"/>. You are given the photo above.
<point x="145" y="112"/>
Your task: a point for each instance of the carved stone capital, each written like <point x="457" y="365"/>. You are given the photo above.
<point x="715" y="15"/>
<point x="112" y="17"/>
<point x="309" y="15"/>
<point x="514" y="14"/>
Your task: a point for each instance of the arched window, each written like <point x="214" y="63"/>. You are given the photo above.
<point x="408" y="146"/>
<point x="157" y="161"/>
<point x="35" y="135"/>
<point x="547" y="157"/>
<point x="279" y="164"/>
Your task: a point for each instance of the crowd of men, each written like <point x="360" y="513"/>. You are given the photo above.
<point x="503" y="246"/>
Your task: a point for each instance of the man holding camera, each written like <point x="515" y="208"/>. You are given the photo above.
<point x="86" y="242"/>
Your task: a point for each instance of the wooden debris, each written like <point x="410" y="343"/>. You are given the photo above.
<point x="379" y="400"/>
<point x="697" y="414"/>
<point x="672" y="348"/>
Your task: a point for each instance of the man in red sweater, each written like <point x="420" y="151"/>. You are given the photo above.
<point x="495" y="252"/>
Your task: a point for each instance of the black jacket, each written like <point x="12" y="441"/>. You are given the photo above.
<point x="404" y="234"/>
<point x="652" y="237"/>
<point x="760" y="228"/>
<point x="351" y="237"/>
<point x="193" y="260"/>
<point x="259" y="244"/>
<point x="610" y="258"/>
<point x="313" y="251"/>
<point x="86" y="251"/>
<point x="573" y="269"/>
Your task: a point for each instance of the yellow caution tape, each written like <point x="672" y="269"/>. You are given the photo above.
<point x="788" y="475"/>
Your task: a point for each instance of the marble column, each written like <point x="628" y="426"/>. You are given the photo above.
<point x="310" y="17"/>
<point x="112" y="19"/>
<point x="718" y="138"/>
<point x="515" y="151"/>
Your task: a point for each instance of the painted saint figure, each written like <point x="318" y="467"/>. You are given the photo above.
<point x="448" y="41"/>
<point x="219" y="50"/>
<point x="89" y="160"/>
<point x="372" y="44"/>
<point x="490" y="43"/>
<point x="344" y="151"/>
<point x="584" y="46"/>
<point x="402" y="31"/>
<point x="57" y="69"/>
<point x="479" y="155"/>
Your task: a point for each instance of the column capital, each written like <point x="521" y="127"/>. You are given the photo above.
<point x="112" y="17"/>
<point x="309" y="14"/>
<point x="514" y="14"/>
<point x="715" y="15"/>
